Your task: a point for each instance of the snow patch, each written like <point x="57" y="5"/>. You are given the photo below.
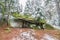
<point x="14" y="24"/>
<point x="56" y="27"/>
<point x="49" y="37"/>
<point x="25" y="36"/>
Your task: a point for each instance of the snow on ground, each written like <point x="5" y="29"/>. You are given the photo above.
<point x="49" y="37"/>
<point x="29" y="35"/>
<point x="25" y="36"/>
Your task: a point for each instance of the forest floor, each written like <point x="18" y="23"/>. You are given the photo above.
<point x="28" y="34"/>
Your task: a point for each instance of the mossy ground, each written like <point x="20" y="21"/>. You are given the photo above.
<point x="48" y="26"/>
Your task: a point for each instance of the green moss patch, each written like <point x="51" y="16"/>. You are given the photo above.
<point x="48" y="26"/>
